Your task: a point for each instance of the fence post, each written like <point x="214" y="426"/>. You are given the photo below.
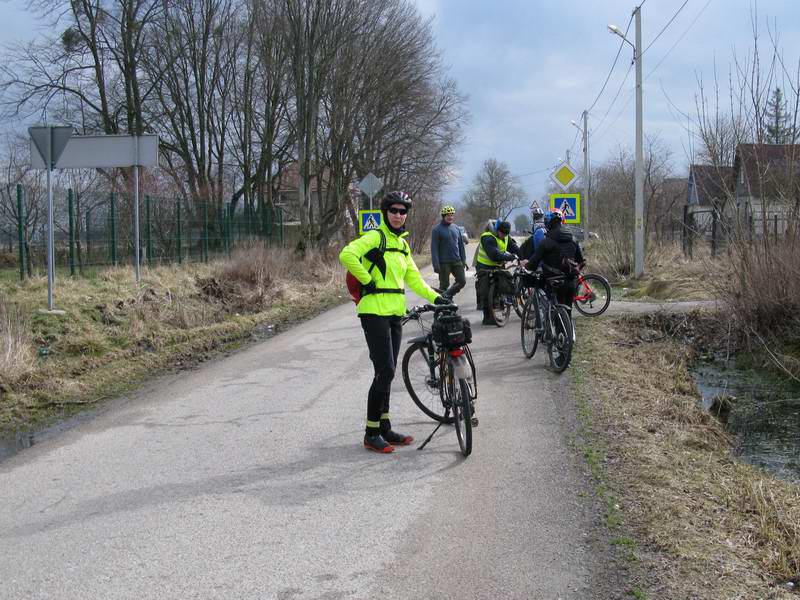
<point x="71" y="210"/>
<point x="148" y="237"/>
<point x="178" y="229"/>
<point x="280" y="224"/>
<point x="21" y="232"/>
<point x="205" y="232"/>
<point x="776" y="226"/>
<point x="113" y="223"/>
<point x="751" y="226"/>
<point x="88" y="236"/>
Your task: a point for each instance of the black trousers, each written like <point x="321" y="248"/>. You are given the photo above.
<point x="457" y="269"/>
<point x="384" y="336"/>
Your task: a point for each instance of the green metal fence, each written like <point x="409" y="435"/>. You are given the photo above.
<point x="96" y="230"/>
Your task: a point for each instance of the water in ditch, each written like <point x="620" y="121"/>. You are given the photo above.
<point x="763" y="414"/>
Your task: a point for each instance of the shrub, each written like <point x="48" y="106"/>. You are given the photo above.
<point x="17" y="356"/>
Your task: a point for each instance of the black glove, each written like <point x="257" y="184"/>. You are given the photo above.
<point x="442" y="300"/>
<point x="369" y="287"/>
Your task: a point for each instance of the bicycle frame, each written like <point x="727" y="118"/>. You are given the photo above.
<point x="583" y="292"/>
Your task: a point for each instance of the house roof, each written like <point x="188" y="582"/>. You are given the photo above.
<point x="772" y="170"/>
<point x="712" y="184"/>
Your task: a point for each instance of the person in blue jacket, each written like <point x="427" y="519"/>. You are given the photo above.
<point x="447" y="251"/>
<point x="539" y="230"/>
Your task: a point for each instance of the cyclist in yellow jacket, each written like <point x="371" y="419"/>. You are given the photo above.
<point x="381" y="261"/>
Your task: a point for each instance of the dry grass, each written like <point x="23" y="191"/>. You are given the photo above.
<point x="17" y="355"/>
<point x="669" y="275"/>
<point x="116" y="332"/>
<point x="708" y="526"/>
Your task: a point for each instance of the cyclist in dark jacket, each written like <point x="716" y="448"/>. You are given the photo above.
<point x="496" y="246"/>
<point x="554" y="253"/>
<point x="447" y="251"/>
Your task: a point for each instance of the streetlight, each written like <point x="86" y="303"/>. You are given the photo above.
<point x="638" y="231"/>
<point x="585" y="203"/>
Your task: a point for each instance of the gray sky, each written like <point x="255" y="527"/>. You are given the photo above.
<point x="531" y="66"/>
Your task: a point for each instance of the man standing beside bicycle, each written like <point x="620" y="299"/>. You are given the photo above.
<point x="558" y="254"/>
<point x="496" y="247"/>
<point x="447" y="251"/>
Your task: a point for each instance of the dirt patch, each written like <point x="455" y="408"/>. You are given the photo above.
<point x="702" y="524"/>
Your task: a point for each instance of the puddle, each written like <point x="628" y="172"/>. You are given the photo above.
<point x="763" y="415"/>
<point x="11" y="443"/>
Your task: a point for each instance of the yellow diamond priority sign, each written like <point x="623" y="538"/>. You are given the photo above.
<point x="564" y="175"/>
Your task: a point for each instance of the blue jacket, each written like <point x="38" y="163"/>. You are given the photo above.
<point x="447" y="246"/>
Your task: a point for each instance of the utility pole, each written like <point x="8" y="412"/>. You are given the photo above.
<point x="585" y="203"/>
<point x="638" y="233"/>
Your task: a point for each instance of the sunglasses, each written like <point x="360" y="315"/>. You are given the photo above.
<point x="397" y="211"/>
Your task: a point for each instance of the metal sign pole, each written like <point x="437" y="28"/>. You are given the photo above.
<point x="136" y="205"/>
<point x="50" y="239"/>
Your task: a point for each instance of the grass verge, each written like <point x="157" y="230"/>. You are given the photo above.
<point x="702" y="524"/>
<point x="116" y="333"/>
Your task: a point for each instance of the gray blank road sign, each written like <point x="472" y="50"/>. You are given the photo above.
<point x="40" y="143"/>
<point x="370" y="185"/>
<point x="102" y="151"/>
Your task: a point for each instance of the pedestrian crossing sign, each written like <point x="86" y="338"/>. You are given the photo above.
<point x="368" y="220"/>
<point x="569" y="205"/>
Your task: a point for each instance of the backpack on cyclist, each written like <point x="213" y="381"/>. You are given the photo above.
<point x="375" y="256"/>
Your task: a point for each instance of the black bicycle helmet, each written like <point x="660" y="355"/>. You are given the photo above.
<point x="395" y="197"/>
<point x="504" y="227"/>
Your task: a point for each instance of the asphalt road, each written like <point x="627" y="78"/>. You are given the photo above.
<point x="246" y="478"/>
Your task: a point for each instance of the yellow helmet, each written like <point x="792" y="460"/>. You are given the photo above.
<point x="448" y="210"/>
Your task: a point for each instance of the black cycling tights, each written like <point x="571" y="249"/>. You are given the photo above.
<point x="384" y="335"/>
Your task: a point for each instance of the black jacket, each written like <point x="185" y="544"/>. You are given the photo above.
<point x="557" y="245"/>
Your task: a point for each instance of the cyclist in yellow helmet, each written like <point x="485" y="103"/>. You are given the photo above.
<point x="447" y="251"/>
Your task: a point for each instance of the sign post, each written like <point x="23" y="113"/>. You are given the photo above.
<point x="59" y="149"/>
<point x="49" y="142"/>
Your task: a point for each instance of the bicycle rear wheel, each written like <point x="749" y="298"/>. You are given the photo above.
<point x="528" y="333"/>
<point x="422" y="377"/>
<point x="459" y="397"/>
<point x="593" y="295"/>
<point x="560" y="348"/>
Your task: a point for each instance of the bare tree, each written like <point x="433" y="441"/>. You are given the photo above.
<point x="494" y="193"/>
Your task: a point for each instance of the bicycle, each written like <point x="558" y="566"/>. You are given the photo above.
<point x="544" y="319"/>
<point x="439" y="373"/>
<point x="521" y="292"/>
<point x="501" y="303"/>
<point x="593" y="294"/>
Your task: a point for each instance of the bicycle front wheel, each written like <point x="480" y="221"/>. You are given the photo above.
<point x="593" y="295"/>
<point x="560" y="348"/>
<point x="422" y="377"/>
<point x="500" y="309"/>
<point x="528" y="333"/>
<point x="459" y="396"/>
<point x="520" y="299"/>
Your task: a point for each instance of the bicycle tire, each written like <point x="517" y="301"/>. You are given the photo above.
<point x="599" y="291"/>
<point x="417" y="377"/>
<point x="528" y="334"/>
<point x="521" y="296"/>
<point x="462" y="412"/>
<point x="560" y="348"/>
<point x="498" y="315"/>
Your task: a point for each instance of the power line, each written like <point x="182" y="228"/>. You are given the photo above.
<point x="663" y="29"/>
<point x="610" y="106"/>
<point x="680" y="39"/>
<point x="614" y="64"/>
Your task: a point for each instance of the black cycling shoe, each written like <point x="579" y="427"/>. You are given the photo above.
<point x="376" y="443"/>
<point x="397" y="439"/>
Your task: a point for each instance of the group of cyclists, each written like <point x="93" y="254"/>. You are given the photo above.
<point x="381" y="261"/>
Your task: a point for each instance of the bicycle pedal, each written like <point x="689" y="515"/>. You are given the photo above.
<point x="474" y="421"/>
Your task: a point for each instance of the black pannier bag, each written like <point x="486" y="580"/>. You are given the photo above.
<point x="451" y="331"/>
<point x="504" y="281"/>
